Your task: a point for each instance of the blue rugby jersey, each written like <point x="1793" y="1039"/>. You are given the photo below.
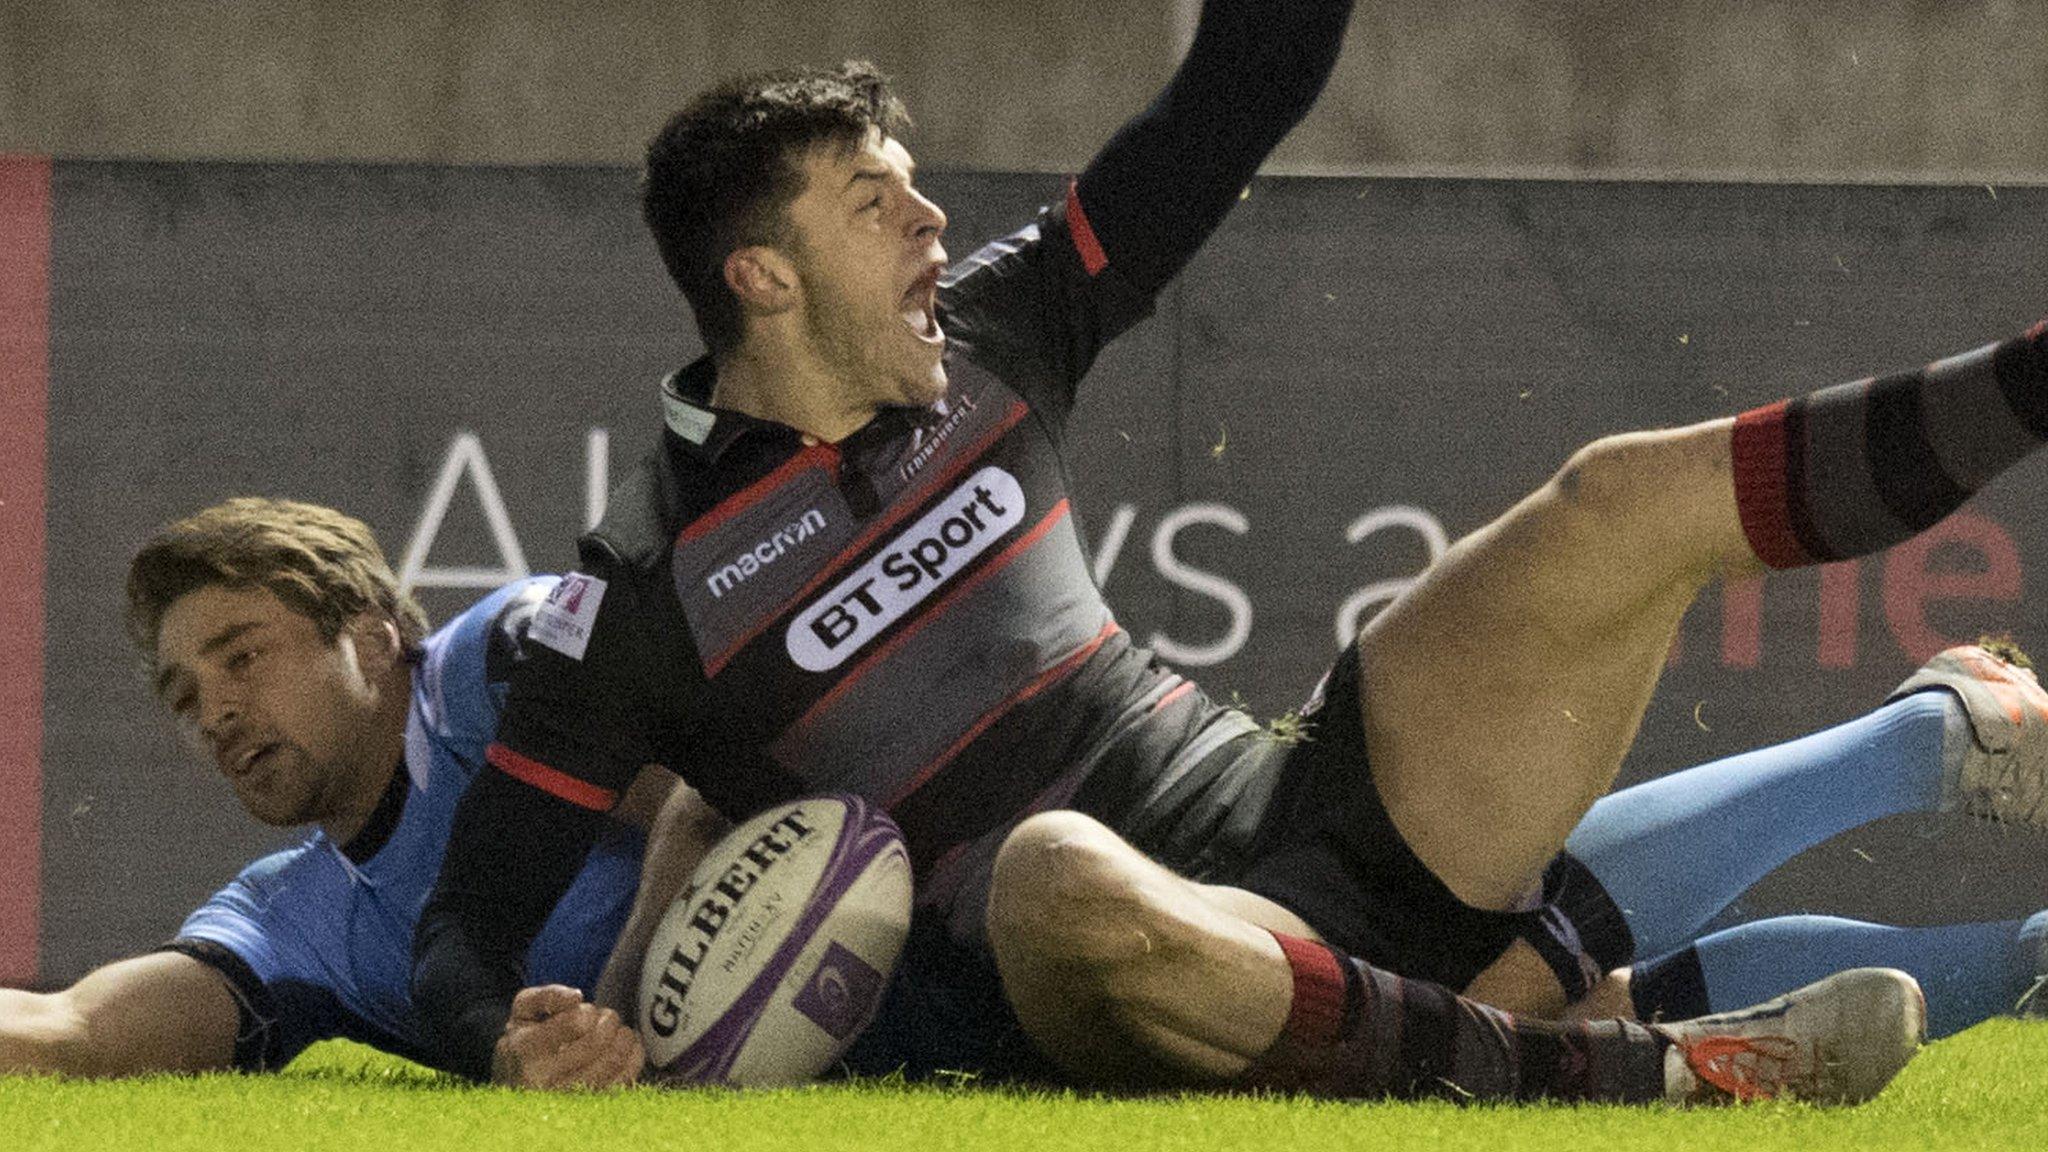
<point x="316" y="945"/>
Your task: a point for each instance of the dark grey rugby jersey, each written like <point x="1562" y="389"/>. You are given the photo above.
<point x="907" y="615"/>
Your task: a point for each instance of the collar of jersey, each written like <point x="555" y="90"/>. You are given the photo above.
<point x="694" y="425"/>
<point x="705" y="432"/>
<point x="383" y="820"/>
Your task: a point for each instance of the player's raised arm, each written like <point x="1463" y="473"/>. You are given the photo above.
<point x="1165" y="180"/>
<point x="1038" y="306"/>
<point x="159" y="1013"/>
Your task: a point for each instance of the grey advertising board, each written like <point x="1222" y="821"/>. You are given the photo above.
<point x="1350" y="374"/>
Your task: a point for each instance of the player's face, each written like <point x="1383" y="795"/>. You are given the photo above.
<point x="868" y="258"/>
<point x="286" y="715"/>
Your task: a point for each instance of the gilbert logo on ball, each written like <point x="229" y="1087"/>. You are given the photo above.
<point x="777" y="953"/>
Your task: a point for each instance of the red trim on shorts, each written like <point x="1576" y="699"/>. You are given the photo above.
<point x="1093" y="258"/>
<point x="1044" y="680"/>
<point x="1316" y="1014"/>
<point x="554" y="782"/>
<point x="1002" y="560"/>
<point x="901" y="509"/>
<point x="820" y="456"/>
<point x="1762" y="498"/>
<point x="24" y="446"/>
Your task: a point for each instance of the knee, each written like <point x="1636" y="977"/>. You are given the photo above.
<point x="1667" y="487"/>
<point x="1070" y="892"/>
<point x="1611" y="473"/>
<point x="1630" y="471"/>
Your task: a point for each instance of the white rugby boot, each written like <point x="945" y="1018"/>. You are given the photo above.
<point x="1835" y="1041"/>
<point x="1995" y="767"/>
<point x="2033" y="1003"/>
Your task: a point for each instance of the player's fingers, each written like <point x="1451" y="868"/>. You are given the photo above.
<point x="620" y="1063"/>
<point x="555" y="1032"/>
<point x="587" y="1059"/>
<point x="630" y="1057"/>
<point x="543" y="1001"/>
<point x="548" y="1052"/>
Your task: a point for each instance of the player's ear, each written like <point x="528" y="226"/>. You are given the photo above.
<point x="378" y="646"/>
<point x="762" y="277"/>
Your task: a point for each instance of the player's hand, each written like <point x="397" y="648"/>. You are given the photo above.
<point x="557" y="1039"/>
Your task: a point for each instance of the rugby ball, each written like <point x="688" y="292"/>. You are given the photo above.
<point x="776" y="954"/>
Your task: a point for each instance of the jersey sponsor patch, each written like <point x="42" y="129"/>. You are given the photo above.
<point x="570" y="611"/>
<point x="764" y="552"/>
<point x="942" y="543"/>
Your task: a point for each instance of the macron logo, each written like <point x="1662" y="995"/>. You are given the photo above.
<point x="904" y="574"/>
<point x="736" y="571"/>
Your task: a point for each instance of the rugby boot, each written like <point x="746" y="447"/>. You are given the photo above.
<point x="2033" y="1003"/>
<point x="1995" y="765"/>
<point x="1835" y="1041"/>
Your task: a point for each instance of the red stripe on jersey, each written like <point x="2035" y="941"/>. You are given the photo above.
<point x="820" y="456"/>
<point x="558" y="784"/>
<point x="899" y="510"/>
<point x="1093" y="258"/>
<point x="938" y="609"/>
<point x="1046" y="679"/>
<point x="24" y="446"/>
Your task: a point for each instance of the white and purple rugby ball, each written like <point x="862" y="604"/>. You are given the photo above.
<point x="775" y="956"/>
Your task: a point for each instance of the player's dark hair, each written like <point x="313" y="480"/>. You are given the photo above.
<point x="721" y="172"/>
<point x="325" y="565"/>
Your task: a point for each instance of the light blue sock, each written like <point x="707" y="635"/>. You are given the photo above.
<point x="1969" y="972"/>
<point x="1675" y="851"/>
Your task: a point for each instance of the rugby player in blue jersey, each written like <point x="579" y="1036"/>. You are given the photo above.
<point x="278" y="639"/>
<point x="849" y="563"/>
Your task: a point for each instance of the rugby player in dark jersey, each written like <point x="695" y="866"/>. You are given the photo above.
<point x="849" y="564"/>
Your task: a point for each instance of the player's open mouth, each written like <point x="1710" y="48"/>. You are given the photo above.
<point x="921" y="307"/>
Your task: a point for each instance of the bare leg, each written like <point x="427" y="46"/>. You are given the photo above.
<point x="1087" y="931"/>
<point x="1131" y="976"/>
<point x="1502" y="691"/>
<point x="1609" y="1000"/>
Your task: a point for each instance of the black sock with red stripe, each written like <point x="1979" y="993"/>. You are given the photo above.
<point x="1859" y="467"/>
<point x="1358" y="1032"/>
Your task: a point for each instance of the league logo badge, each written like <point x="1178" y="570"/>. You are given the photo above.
<point x="566" y="618"/>
<point x="841" y="994"/>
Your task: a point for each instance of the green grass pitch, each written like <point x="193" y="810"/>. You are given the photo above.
<point x="1987" y="1088"/>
